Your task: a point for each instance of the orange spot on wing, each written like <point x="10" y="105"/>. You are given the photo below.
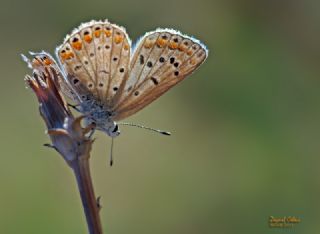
<point x="70" y="55"/>
<point x="193" y="61"/>
<point x="126" y="47"/>
<point x="118" y="39"/>
<point x="189" y="52"/>
<point x="47" y="61"/>
<point x="66" y="55"/>
<point x="108" y="33"/>
<point x="148" y="44"/>
<point x="88" y="38"/>
<point x="77" y="45"/>
<point x="173" y="45"/>
<point x="182" y="48"/>
<point x="97" y="33"/>
<point x="161" y="42"/>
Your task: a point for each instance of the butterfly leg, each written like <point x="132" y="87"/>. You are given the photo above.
<point x="99" y="203"/>
<point x="92" y="132"/>
<point x="90" y="129"/>
<point x="75" y="107"/>
<point x="50" y="146"/>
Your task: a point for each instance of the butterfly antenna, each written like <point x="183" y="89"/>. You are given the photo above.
<point x="144" y="127"/>
<point x="111" y="153"/>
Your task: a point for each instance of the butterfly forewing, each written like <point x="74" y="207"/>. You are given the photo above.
<point x="91" y="57"/>
<point x="162" y="59"/>
<point x="119" y="62"/>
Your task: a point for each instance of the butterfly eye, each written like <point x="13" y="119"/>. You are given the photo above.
<point x="116" y="128"/>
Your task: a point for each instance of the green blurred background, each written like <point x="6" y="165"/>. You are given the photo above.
<point x="246" y="125"/>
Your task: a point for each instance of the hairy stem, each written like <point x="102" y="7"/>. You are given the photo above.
<point x="81" y="170"/>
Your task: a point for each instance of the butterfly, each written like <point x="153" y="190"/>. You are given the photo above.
<point x="108" y="79"/>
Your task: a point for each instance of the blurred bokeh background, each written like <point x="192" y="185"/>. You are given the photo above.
<point x="246" y="125"/>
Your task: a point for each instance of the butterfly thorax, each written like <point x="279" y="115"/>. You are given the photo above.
<point x="100" y="115"/>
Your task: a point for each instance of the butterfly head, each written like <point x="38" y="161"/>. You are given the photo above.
<point x="109" y="127"/>
<point x="112" y="131"/>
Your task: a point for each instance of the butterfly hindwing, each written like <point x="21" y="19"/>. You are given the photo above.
<point x="43" y="63"/>
<point x="162" y="59"/>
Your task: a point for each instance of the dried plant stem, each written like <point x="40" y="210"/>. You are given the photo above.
<point x="91" y="208"/>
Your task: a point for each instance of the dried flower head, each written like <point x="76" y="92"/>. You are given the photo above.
<point x="65" y="131"/>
